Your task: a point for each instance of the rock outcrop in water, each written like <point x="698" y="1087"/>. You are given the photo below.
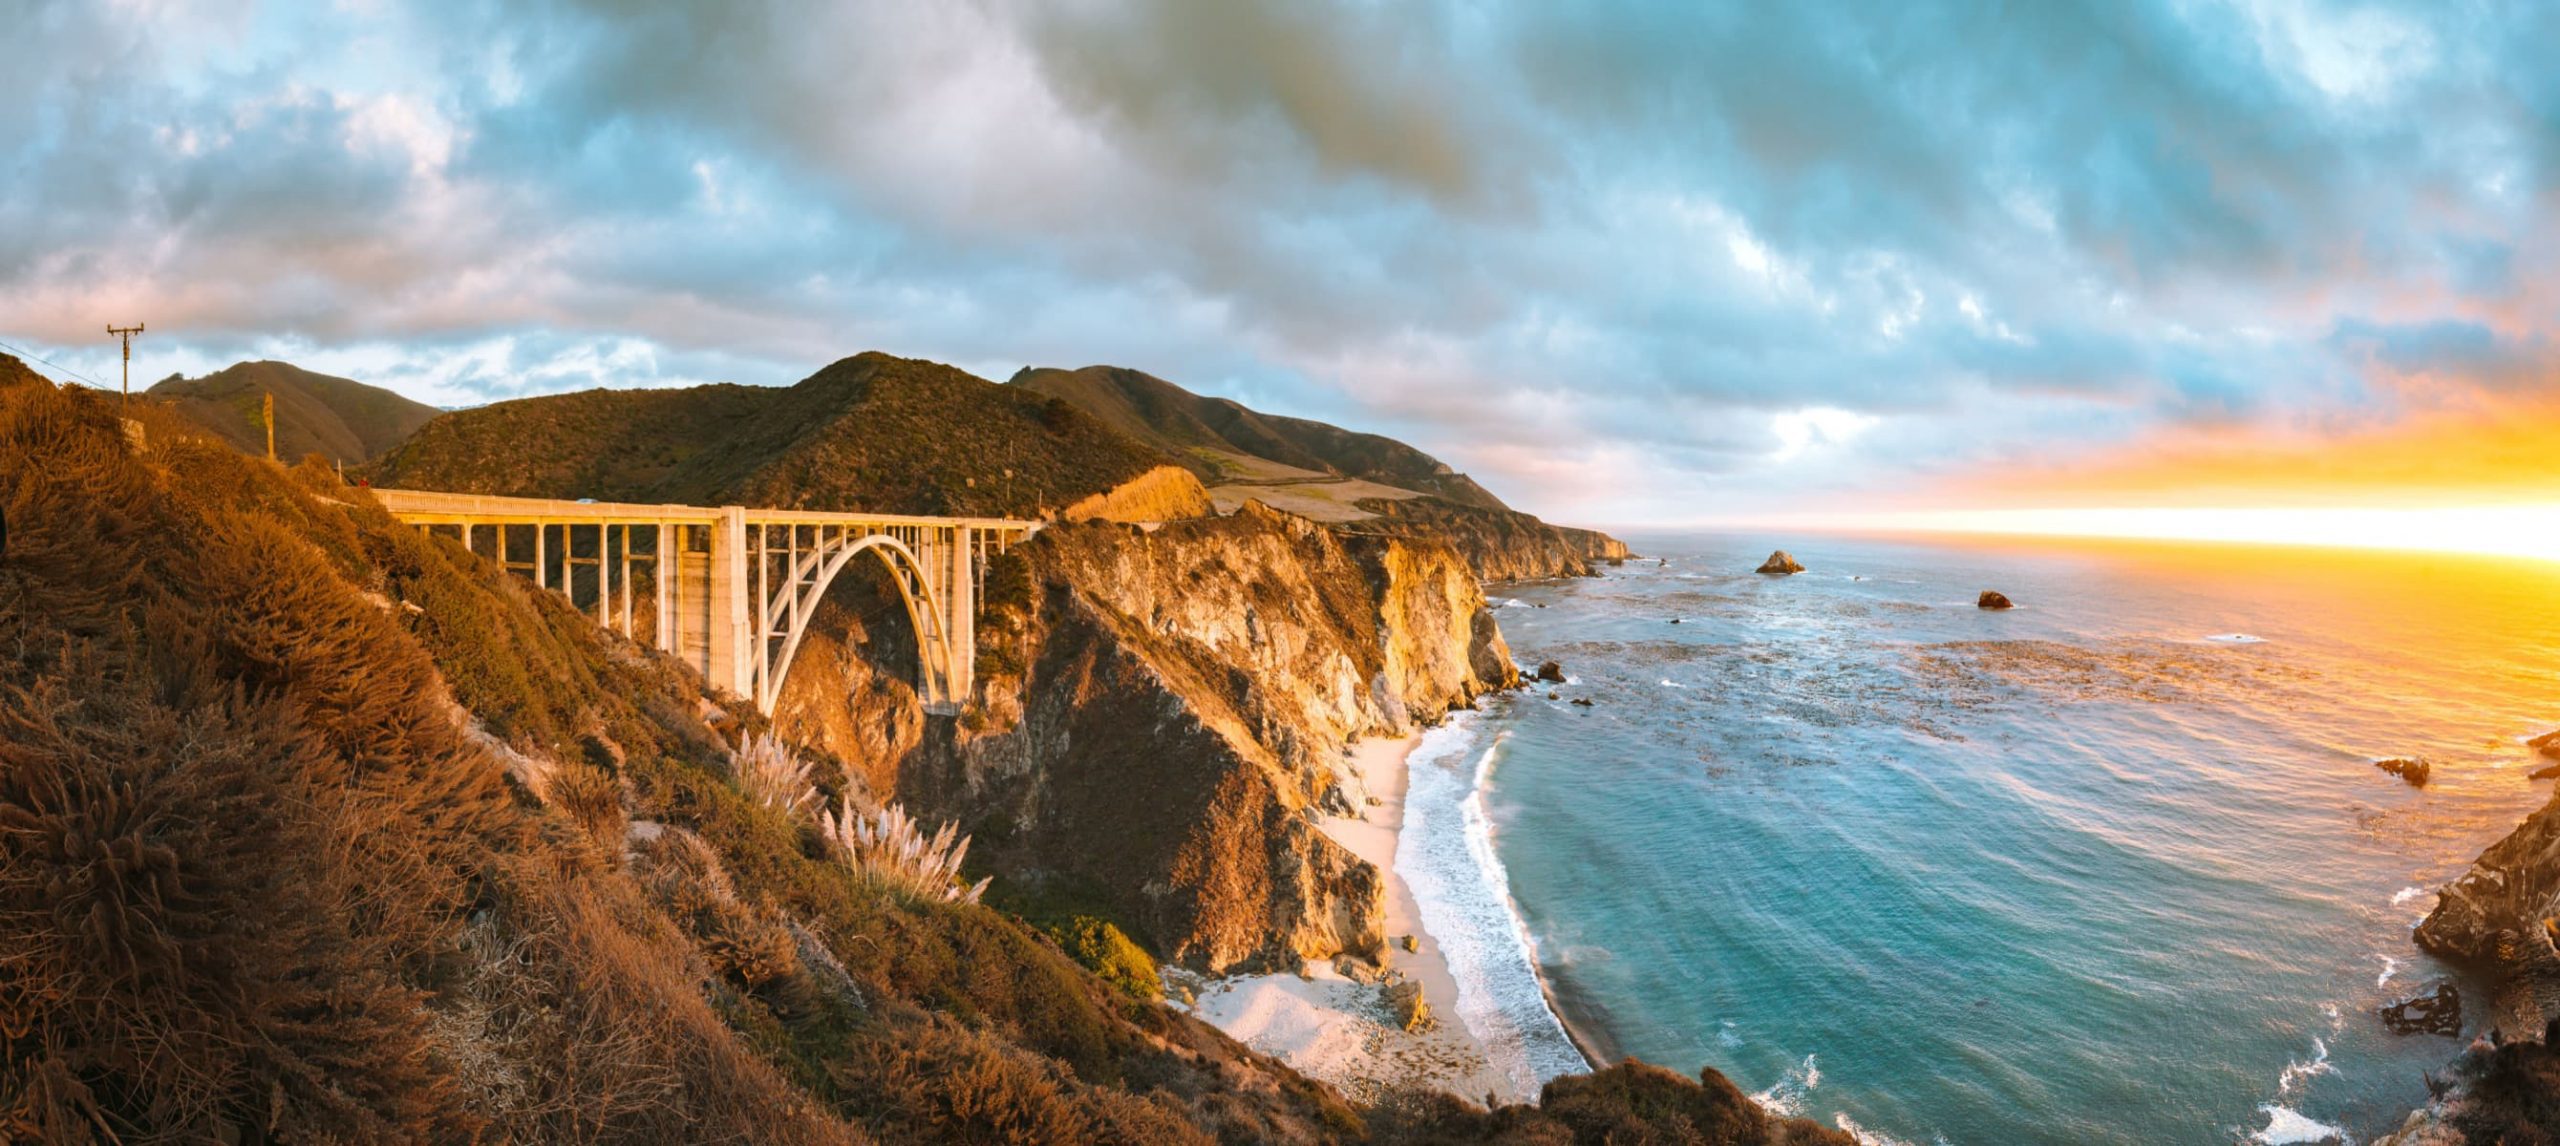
<point x="2414" y="770"/>
<point x="2438" y="1012"/>
<point x="2547" y="744"/>
<point x="1993" y="599"/>
<point x="1781" y="564"/>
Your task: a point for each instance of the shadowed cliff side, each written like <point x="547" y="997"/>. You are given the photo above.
<point x="1159" y="711"/>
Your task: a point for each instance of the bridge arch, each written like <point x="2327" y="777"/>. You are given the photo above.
<point x="810" y="577"/>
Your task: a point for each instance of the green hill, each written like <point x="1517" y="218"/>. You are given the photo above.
<point x="337" y="418"/>
<point x="1218" y="438"/>
<point x="872" y="432"/>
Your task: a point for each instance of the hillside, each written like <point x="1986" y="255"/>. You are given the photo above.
<point x="339" y="419"/>
<point x="1363" y="483"/>
<point x="871" y="432"/>
<point x="314" y="828"/>
<point x="1220" y="439"/>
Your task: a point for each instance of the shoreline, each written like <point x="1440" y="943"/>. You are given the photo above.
<point x="1332" y="1027"/>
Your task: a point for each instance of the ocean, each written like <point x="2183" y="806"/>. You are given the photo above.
<point x="2114" y="866"/>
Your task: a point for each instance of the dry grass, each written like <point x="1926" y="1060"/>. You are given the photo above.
<point x="891" y="848"/>
<point x="774" y="776"/>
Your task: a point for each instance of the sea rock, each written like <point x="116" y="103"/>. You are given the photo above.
<point x="1404" y="1001"/>
<point x="1993" y="599"/>
<point x="2548" y="744"/>
<point x="2436" y="1013"/>
<point x="2545" y="772"/>
<point x="1584" y="701"/>
<point x="1780" y="564"/>
<point x="1551" y="671"/>
<point x="2412" y="769"/>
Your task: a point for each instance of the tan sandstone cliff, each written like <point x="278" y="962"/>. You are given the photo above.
<point x="1160" y="714"/>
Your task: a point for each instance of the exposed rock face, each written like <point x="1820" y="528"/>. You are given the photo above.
<point x="2547" y="744"/>
<point x="1160" y="719"/>
<point x="2438" y="1012"/>
<point x="1597" y="546"/>
<point x="1551" y="672"/>
<point x="1499" y="544"/>
<point x="1993" y="599"/>
<point x="2497" y="917"/>
<point x="2413" y="770"/>
<point x="1780" y="564"/>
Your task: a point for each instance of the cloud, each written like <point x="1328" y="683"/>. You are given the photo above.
<point x="1607" y="256"/>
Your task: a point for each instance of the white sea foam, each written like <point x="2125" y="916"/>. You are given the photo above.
<point x="2406" y="894"/>
<point x="1667" y="682"/>
<point x="1865" y="1136"/>
<point x="2237" y="639"/>
<point x="1726" y="1035"/>
<point x="1445" y="853"/>
<point x="2297" y="1071"/>
<point x="2390" y="967"/>
<point x="2286" y="1125"/>
<point x="1785" y="1097"/>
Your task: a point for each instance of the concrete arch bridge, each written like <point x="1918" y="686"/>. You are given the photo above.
<point x="730" y="590"/>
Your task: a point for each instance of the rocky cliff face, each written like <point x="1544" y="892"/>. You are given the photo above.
<point x="1499" y="544"/>
<point x="1160" y="714"/>
<point x="2500" y="917"/>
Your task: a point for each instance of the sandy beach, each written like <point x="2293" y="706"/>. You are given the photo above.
<point x="1331" y="1027"/>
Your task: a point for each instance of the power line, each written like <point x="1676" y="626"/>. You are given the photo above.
<point x="23" y="352"/>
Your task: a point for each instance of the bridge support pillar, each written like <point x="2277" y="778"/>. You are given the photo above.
<point x="959" y="622"/>
<point x="732" y="627"/>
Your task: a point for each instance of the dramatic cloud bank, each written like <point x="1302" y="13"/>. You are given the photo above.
<point x="1625" y="262"/>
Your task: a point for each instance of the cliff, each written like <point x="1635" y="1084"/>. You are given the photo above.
<point x="1159" y="713"/>
<point x="1165" y="493"/>
<point x="336" y="418"/>
<point x="1500" y="544"/>
<point x="313" y="828"/>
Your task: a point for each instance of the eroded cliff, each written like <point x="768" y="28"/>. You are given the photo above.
<point x="1161" y="713"/>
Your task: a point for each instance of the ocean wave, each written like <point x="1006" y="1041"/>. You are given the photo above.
<point x="1727" y="1035"/>
<point x="2390" y="967"/>
<point x="1785" y="1097"/>
<point x="2406" y="894"/>
<point x="2297" y="1071"/>
<point x="1865" y="1136"/>
<point x="1445" y="854"/>
<point x="2236" y="639"/>
<point x="2289" y="1127"/>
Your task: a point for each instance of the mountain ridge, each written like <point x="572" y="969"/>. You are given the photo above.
<point x="338" y="418"/>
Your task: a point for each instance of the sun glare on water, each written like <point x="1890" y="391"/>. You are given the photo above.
<point x="2529" y="531"/>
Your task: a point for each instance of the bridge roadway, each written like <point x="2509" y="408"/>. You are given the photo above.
<point x="728" y="589"/>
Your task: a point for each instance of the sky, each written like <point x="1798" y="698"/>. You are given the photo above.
<point x="1624" y="262"/>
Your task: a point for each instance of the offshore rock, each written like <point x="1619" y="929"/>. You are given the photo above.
<point x="2547" y="744"/>
<point x="1993" y="599"/>
<point x="1551" y="671"/>
<point x="2436" y="1013"/>
<point x="2412" y="769"/>
<point x="1780" y="564"/>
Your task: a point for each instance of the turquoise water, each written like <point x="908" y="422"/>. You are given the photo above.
<point x="2112" y="867"/>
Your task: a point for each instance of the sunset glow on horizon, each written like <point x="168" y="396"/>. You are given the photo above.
<point x="2528" y="531"/>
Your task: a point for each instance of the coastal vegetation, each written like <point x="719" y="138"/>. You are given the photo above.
<point x="313" y="827"/>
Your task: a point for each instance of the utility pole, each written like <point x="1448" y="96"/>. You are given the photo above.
<point x="126" y="333"/>
<point x="271" y="425"/>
